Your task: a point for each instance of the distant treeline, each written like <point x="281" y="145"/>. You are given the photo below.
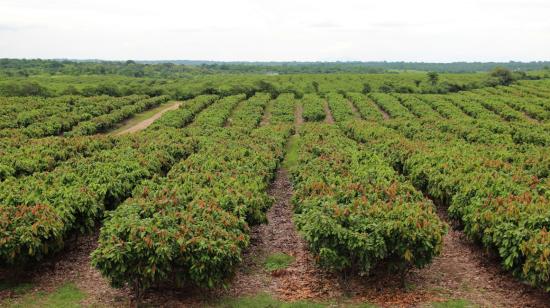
<point x="358" y="67"/>
<point x="30" y="67"/>
<point x="231" y="84"/>
<point x="184" y="68"/>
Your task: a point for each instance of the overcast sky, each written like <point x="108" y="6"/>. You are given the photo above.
<point x="277" y="30"/>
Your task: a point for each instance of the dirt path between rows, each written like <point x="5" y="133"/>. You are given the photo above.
<point x="465" y="270"/>
<point x="530" y="118"/>
<point x="526" y="116"/>
<point x="302" y="279"/>
<point x="385" y="115"/>
<point x="147" y="122"/>
<point x="267" y="113"/>
<point x="354" y="110"/>
<point x="298" y="118"/>
<point x="328" y="114"/>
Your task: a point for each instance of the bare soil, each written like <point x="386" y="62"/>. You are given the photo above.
<point x="267" y="114"/>
<point x="465" y="270"/>
<point x="298" y="118"/>
<point x="385" y="115"/>
<point x="302" y="279"/>
<point x="328" y="118"/>
<point x="354" y="110"/>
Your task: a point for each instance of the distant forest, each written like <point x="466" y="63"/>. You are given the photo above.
<point x="181" y="68"/>
<point x="359" y="67"/>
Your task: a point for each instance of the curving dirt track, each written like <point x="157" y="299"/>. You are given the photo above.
<point x="147" y="122"/>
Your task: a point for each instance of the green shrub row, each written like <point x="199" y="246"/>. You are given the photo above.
<point x="215" y="116"/>
<point x="340" y="107"/>
<point x="391" y="106"/>
<point x="20" y="112"/>
<point x="498" y="204"/>
<point x="283" y="109"/>
<point x="47" y="153"/>
<point x="313" y="108"/>
<point x="192" y="226"/>
<point x="365" y="106"/>
<point x="71" y="111"/>
<point x="355" y="211"/>
<point x="249" y="113"/>
<point x="184" y="114"/>
<point x="41" y="211"/>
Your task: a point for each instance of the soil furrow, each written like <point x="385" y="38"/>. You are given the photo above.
<point x="328" y="118"/>
<point x="354" y="110"/>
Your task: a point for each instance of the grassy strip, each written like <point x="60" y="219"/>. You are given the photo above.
<point x="66" y="296"/>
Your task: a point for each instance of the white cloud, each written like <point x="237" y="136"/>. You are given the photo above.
<point x="423" y="30"/>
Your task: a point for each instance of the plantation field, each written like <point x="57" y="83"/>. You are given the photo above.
<point x="302" y="187"/>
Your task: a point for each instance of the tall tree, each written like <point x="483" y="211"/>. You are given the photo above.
<point x="503" y="75"/>
<point x="366" y="88"/>
<point x="433" y="78"/>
